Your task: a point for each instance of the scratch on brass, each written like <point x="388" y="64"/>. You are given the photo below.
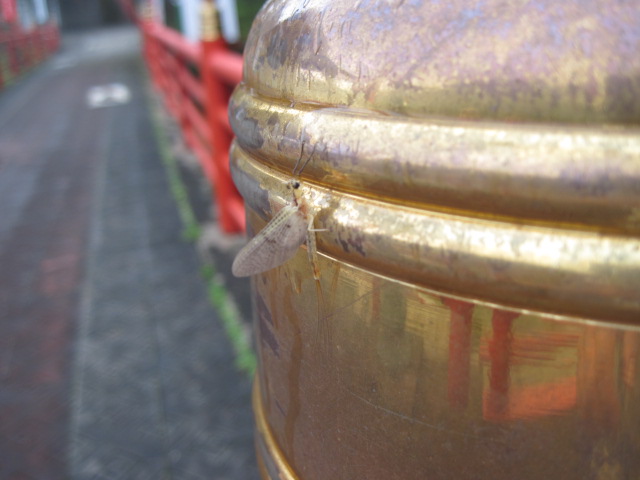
<point x="409" y="419"/>
<point x="356" y="300"/>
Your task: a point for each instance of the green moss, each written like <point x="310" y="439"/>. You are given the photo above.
<point x="245" y="359"/>
<point x="218" y="295"/>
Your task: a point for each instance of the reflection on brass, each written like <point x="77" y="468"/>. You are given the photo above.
<point x="400" y="394"/>
<point x="475" y="168"/>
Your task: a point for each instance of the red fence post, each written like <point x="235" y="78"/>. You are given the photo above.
<point x="229" y="202"/>
<point x="22" y="50"/>
<point x="196" y="81"/>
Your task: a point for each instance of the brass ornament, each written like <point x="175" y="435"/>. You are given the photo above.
<point x="476" y="166"/>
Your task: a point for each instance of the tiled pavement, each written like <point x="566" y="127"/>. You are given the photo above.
<point x="112" y="362"/>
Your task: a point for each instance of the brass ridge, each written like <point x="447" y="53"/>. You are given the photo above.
<point x="270" y="458"/>
<point x="551" y="270"/>
<point x="576" y="177"/>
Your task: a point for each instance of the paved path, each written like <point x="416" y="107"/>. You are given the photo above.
<point x="112" y="362"/>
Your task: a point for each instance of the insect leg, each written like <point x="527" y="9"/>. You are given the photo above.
<point x="311" y="247"/>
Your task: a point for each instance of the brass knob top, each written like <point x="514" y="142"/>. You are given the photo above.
<point x="569" y="62"/>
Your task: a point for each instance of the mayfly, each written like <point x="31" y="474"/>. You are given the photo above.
<point x="280" y="239"/>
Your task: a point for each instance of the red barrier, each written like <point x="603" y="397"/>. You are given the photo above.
<point x="196" y="80"/>
<point x="21" y="50"/>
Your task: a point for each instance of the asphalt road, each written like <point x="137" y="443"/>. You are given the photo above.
<point x="113" y="364"/>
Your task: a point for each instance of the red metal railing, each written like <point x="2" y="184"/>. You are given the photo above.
<point x="21" y="49"/>
<point x="196" y="80"/>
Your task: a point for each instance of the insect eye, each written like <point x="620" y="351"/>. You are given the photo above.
<point x="295" y="185"/>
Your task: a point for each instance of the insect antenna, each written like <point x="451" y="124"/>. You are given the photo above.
<point x="297" y="168"/>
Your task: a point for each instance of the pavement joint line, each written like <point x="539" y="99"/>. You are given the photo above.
<point x="86" y="314"/>
<point x="245" y="358"/>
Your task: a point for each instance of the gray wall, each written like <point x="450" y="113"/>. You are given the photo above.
<point x="82" y="14"/>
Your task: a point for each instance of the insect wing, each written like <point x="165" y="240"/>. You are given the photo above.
<point x="276" y="243"/>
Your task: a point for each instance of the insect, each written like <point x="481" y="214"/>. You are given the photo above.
<point x="280" y="239"/>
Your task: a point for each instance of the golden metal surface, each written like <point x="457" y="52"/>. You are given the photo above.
<point x="579" y="176"/>
<point x="271" y="462"/>
<point x="552" y="270"/>
<point x="475" y="170"/>
<point x="543" y="60"/>
<point x="415" y="385"/>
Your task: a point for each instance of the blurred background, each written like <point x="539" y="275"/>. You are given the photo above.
<point x="125" y="345"/>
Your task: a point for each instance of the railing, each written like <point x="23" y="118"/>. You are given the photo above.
<point x="20" y="50"/>
<point x="196" y="80"/>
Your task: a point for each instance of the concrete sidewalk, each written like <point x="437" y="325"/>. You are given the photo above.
<point x="113" y="364"/>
